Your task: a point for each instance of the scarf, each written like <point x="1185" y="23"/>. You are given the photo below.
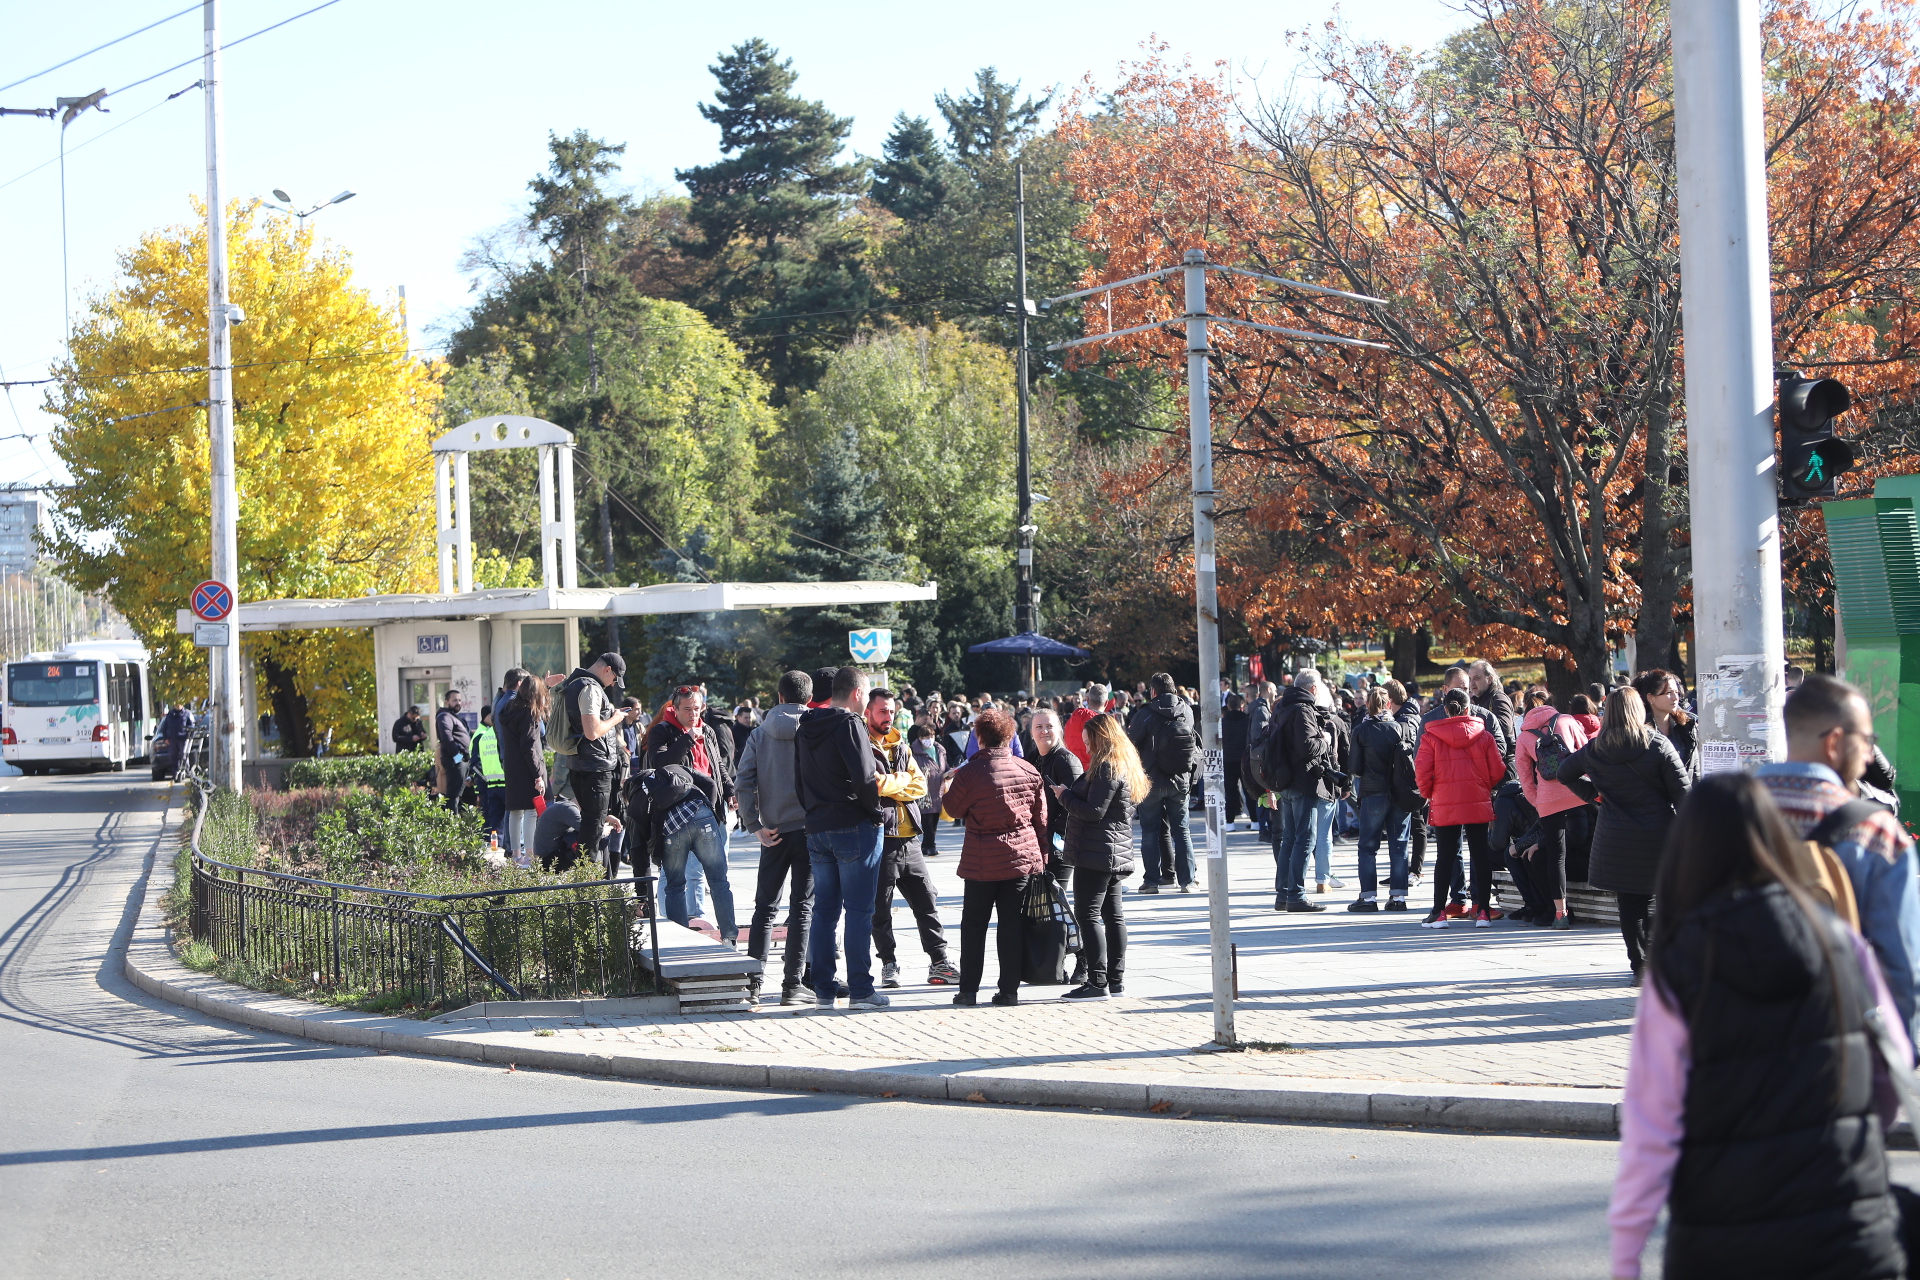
<point x="700" y="760"/>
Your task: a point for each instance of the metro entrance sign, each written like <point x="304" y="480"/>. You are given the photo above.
<point x="212" y="601"/>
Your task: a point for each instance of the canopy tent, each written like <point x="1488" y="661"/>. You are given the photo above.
<point x="1031" y="645"/>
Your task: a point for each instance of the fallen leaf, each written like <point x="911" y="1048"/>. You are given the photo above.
<point x="889" y="1094"/>
<point x="976" y="1096"/>
<point x="1161" y="1107"/>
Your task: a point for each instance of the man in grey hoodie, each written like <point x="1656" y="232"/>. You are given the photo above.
<point x="770" y="808"/>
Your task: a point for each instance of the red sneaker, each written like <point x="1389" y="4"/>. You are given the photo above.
<point x="1494" y="913"/>
<point x="1457" y="910"/>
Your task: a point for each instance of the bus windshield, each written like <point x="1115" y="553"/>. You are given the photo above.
<point x="51" y="684"/>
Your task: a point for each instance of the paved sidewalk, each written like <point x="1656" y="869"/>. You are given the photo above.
<point x="1333" y="995"/>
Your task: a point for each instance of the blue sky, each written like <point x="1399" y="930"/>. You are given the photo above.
<point x="437" y="113"/>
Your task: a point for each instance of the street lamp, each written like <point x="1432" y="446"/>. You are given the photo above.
<point x="286" y="205"/>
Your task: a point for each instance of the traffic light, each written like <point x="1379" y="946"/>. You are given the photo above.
<point x="1811" y="456"/>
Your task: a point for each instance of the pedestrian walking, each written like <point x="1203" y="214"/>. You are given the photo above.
<point x="769" y="805"/>
<point x="1639" y="781"/>
<point x="1457" y="767"/>
<point x="691" y="825"/>
<point x="588" y="739"/>
<point x="1058" y="767"/>
<point x="1163" y="733"/>
<point x="839" y="789"/>
<point x="1830" y="744"/>
<point x="1234" y="725"/>
<point x="410" y="731"/>
<point x="1381" y="758"/>
<point x="1098" y="845"/>
<point x="902" y="785"/>
<point x="455" y="748"/>
<point x="1757" y="1097"/>
<point x="175" y="733"/>
<point x="1547" y="739"/>
<point x="523" y="767"/>
<point x="487" y="775"/>
<point x="932" y="759"/>
<point x="1001" y="801"/>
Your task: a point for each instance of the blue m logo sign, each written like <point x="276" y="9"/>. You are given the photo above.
<point x="874" y="646"/>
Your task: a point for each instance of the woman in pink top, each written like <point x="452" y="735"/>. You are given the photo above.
<point x="1757" y="1103"/>
<point x="1556" y="805"/>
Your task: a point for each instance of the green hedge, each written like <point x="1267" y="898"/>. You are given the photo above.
<point x="396" y="772"/>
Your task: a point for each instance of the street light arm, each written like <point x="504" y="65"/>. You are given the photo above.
<point x="1117" y="333"/>
<point x="1300" y="284"/>
<point x="1103" y="288"/>
<point x="1302" y="334"/>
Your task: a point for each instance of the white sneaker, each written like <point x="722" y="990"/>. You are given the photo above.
<point x="1335" y="882"/>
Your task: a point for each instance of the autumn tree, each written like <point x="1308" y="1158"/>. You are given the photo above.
<point x="332" y="421"/>
<point x="1509" y="472"/>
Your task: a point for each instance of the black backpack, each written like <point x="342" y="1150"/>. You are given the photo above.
<point x="1266" y="756"/>
<point x="1174" y="747"/>
<point x="1549" y="752"/>
<point x="1406" y="783"/>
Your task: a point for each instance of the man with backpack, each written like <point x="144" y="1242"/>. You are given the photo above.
<point x="583" y="730"/>
<point x="1830" y="742"/>
<point x="1163" y="732"/>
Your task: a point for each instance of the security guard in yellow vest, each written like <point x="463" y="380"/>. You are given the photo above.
<point x="486" y="771"/>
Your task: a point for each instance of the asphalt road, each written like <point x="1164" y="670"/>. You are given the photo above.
<point x="137" y="1139"/>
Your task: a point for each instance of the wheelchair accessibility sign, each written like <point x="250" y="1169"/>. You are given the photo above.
<point x="874" y="646"/>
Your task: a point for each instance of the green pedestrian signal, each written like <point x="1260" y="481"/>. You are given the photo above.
<point x="1812" y="458"/>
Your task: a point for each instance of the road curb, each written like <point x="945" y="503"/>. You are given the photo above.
<point x="151" y="966"/>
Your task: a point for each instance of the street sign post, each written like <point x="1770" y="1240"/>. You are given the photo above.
<point x="210" y="635"/>
<point x="211" y="601"/>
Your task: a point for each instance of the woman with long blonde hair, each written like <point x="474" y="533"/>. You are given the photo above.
<point x="1099" y="847"/>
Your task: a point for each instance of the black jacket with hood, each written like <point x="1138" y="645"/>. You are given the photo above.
<point x="1164" y="719"/>
<point x="833" y="771"/>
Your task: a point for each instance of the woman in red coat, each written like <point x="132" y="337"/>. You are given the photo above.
<point x="1457" y="768"/>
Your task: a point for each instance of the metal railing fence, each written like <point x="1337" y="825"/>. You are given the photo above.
<point x="558" y="941"/>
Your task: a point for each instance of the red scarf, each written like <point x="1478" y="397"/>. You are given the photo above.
<point x="700" y="761"/>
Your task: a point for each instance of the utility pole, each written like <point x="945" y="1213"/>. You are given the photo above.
<point x="223" y="662"/>
<point x="1739" y="650"/>
<point x="1023" y="610"/>
<point x="1206" y="602"/>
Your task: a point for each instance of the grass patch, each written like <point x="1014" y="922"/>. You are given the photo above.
<point x="1272" y="1046"/>
<point x="199" y="957"/>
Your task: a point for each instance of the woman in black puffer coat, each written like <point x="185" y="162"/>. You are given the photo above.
<point x="1639" y="780"/>
<point x="1756" y="1102"/>
<point x="1098" y="845"/>
<point x="523" y="760"/>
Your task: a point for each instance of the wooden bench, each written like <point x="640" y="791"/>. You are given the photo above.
<point x="1585" y="903"/>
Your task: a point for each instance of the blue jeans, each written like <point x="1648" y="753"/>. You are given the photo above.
<point x="1300" y="814"/>
<point x="1162" y="814"/>
<point x="1380" y="816"/>
<point x="1323" y="838"/>
<point x="846" y="877"/>
<point x="704" y="839"/>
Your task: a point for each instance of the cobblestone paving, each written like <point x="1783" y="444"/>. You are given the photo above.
<point x="1333" y="995"/>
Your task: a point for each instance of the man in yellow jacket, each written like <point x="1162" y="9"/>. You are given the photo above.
<point x="902" y="786"/>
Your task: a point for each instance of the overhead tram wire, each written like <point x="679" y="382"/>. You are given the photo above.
<point x="97" y="48"/>
<point x="224" y="47"/>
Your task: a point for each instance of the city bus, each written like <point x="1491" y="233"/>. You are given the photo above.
<point x="86" y="706"/>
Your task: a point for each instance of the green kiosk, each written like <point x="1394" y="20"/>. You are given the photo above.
<point x="1875" y="547"/>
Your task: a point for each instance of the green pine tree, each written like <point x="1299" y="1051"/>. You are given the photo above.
<point x="777" y="215"/>
<point x="840" y="536"/>
<point x="913" y="179"/>
<point x="988" y="125"/>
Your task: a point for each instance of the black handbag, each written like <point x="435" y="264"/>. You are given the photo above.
<point x="1051" y="933"/>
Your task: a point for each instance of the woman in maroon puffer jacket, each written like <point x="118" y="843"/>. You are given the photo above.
<point x="1457" y="768"/>
<point x="1002" y="801"/>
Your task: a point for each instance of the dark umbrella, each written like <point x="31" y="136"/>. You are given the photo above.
<point x="1032" y="646"/>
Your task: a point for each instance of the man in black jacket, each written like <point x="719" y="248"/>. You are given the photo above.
<point x="1406" y="714"/>
<point x="839" y="789"/>
<point x="1483" y="684"/>
<point x="1163" y="731"/>
<point x="410" y="730"/>
<point x="1234" y="724"/>
<point x="455" y="748"/>
<point x="1305" y="748"/>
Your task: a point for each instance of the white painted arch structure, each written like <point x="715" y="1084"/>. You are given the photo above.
<point x="463" y="638"/>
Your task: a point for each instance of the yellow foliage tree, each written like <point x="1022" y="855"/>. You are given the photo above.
<point x="332" y="427"/>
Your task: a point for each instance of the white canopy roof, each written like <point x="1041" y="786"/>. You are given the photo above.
<point x="557" y="602"/>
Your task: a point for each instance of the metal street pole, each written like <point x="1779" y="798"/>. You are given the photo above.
<point x="1206" y="610"/>
<point x="1023" y="619"/>
<point x="223" y="663"/>
<point x="1739" y="650"/>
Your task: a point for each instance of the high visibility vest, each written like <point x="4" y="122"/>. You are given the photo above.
<point x="486" y="749"/>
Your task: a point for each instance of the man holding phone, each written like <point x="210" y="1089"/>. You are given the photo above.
<point x="593" y="722"/>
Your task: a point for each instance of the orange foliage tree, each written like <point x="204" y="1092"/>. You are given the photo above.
<point x="1512" y="473"/>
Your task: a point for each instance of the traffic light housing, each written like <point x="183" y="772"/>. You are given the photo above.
<point x="1812" y="458"/>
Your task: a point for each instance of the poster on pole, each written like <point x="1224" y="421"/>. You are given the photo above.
<point x="1734" y="697"/>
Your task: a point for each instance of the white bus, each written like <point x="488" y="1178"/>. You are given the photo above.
<point x="85" y="706"/>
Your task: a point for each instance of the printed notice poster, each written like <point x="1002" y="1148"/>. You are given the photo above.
<point x="1735" y="697"/>
<point x="1719" y="757"/>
